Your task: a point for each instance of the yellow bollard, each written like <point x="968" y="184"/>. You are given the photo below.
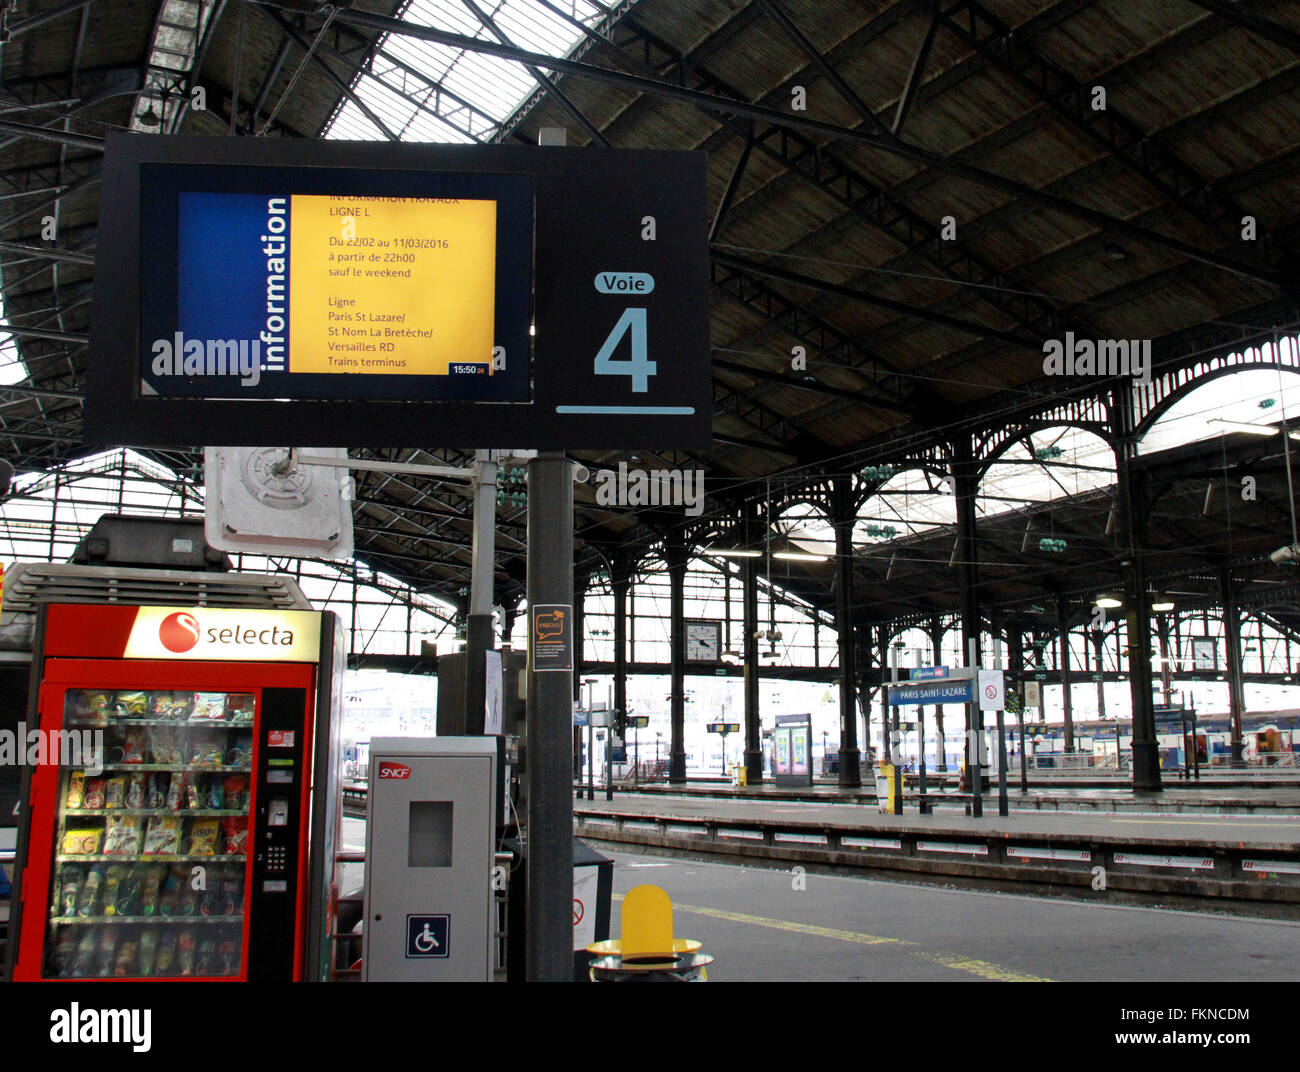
<point x="648" y="947"/>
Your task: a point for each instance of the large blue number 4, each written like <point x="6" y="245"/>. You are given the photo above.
<point x="638" y="366"/>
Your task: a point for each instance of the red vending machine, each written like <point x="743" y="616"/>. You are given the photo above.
<point x="170" y="827"/>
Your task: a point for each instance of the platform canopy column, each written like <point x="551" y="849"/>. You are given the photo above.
<point x="1131" y="538"/>
<point x="753" y="721"/>
<point x="844" y="516"/>
<point x="1063" y="669"/>
<point x="676" y="556"/>
<point x="1232" y="654"/>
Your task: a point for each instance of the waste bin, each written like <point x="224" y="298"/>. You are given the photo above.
<point x="742" y="774"/>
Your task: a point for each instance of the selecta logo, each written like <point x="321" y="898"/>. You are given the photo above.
<point x="179" y="632"/>
<point x="388" y="769"/>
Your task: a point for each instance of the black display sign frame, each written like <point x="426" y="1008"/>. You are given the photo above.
<point x="620" y="261"/>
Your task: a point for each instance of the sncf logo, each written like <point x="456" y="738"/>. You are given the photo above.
<point x="393" y="770"/>
<point x="179" y="632"/>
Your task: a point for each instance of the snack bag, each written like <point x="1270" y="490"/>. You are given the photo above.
<point x="65" y="953"/>
<point x="163" y="837"/>
<point x="241" y="752"/>
<point x="122" y="837"/>
<point x="88" y="899"/>
<point x="133" y="746"/>
<point x="135" y="791"/>
<point x="203" y="837"/>
<point x="150" y="890"/>
<point x="166" y="748"/>
<point x="206" y="959"/>
<point x="132" y="705"/>
<point x="170" y="900"/>
<point x="83" y="967"/>
<point x="174" y="795"/>
<point x="166" y="959"/>
<point x="148" y="952"/>
<point x="232" y="894"/>
<point x="83" y="841"/>
<point x="107" y="953"/>
<point x="76" y="795"/>
<point x="234" y="836"/>
<point x="115" y="792"/>
<point x="206" y="751"/>
<point x="70" y="890"/>
<point x="213" y="796"/>
<point x="125" y="959"/>
<point x="190" y="793"/>
<point x="235" y="800"/>
<point x="128" y="892"/>
<point x="111" y="883"/>
<point x="181" y="704"/>
<point x="160" y="705"/>
<point x="185" y="951"/>
<point x="94" y="793"/>
<point x="155" y="797"/>
<point x="239" y="708"/>
<point x="209" y="707"/>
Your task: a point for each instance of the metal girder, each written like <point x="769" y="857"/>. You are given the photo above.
<point x="552" y="90"/>
<point x="36" y="21"/>
<point x="981" y="331"/>
<point x="983" y="31"/>
<point x="825" y="341"/>
<point x="886" y="143"/>
<point x="288" y="29"/>
<point x="1234" y="12"/>
<point x="916" y="72"/>
<point x="61" y="137"/>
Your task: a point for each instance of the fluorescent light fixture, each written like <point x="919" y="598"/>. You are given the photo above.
<point x="1162" y="603"/>
<point x="799" y="556"/>
<point x="1242" y="426"/>
<point x="733" y="552"/>
<point x="1109" y="601"/>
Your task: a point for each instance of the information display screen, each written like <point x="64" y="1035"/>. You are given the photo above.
<point x="264" y="291"/>
<point x="308" y="289"/>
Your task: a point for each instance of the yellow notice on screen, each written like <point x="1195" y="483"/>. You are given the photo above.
<point x="396" y="285"/>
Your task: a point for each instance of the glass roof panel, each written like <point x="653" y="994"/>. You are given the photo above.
<point x="493" y="86"/>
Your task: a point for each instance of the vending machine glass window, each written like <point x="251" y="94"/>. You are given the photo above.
<point x="151" y="837"/>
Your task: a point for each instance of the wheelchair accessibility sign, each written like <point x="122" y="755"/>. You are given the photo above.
<point x="427" y="936"/>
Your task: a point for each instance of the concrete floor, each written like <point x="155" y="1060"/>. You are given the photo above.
<point x="762" y="929"/>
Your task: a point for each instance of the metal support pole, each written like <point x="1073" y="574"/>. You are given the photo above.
<point x="1002" y="763"/>
<point x="753" y="721"/>
<point x="845" y="516"/>
<point x="974" y="737"/>
<point x="677" y="644"/>
<point x="965" y="487"/>
<point x="920" y="753"/>
<point x="549" y="912"/>
<point x="1232" y="653"/>
<point x="1063" y="667"/>
<point x="895" y="738"/>
<point x="1137" y="604"/>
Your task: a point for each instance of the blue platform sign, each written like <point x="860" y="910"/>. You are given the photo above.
<point x="427" y="936"/>
<point x="947" y="692"/>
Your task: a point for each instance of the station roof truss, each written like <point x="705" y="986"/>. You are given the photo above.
<point x="911" y="195"/>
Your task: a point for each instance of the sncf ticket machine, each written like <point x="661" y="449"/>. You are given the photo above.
<point x="430" y="824"/>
